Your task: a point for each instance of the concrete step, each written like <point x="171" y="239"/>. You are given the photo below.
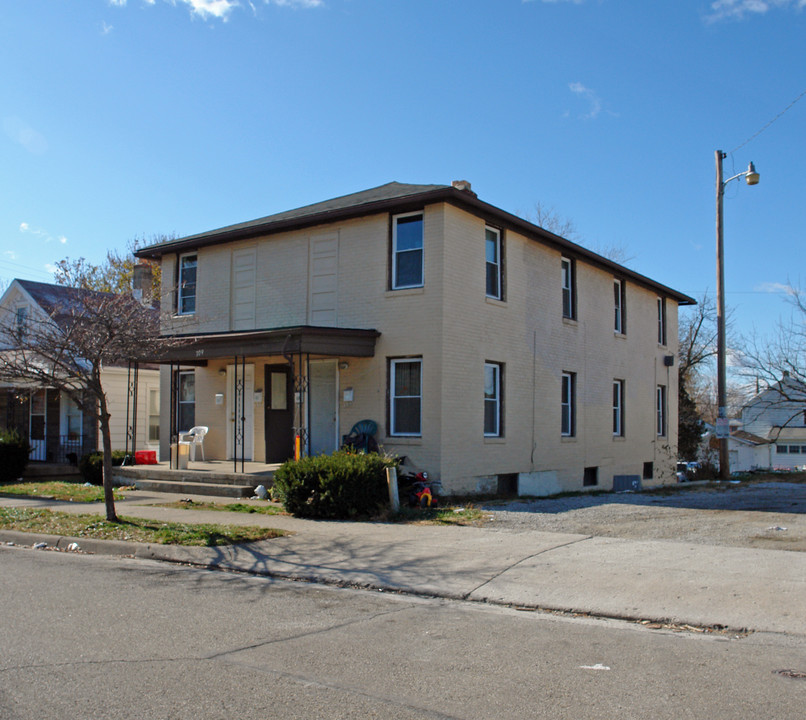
<point x="150" y="472"/>
<point x="196" y="488"/>
<point x="36" y="471"/>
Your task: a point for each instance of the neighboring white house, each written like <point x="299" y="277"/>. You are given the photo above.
<point x="772" y="429"/>
<point x="490" y="352"/>
<point x="54" y="426"/>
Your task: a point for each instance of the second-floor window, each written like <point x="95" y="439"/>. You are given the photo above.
<point x="661" y="321"/>
<point x="186" y="297"/>
<point x="494" y="265"/>
<point x="21" y="320"/>
<point x="407" y="251"/>
<point x="619" y="325"/>
<point x="569" y="291"/>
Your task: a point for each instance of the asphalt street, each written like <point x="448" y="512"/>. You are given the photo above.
<point x="99" y="637"/>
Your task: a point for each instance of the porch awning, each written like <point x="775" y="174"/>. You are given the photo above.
<point x="330" y="341"/>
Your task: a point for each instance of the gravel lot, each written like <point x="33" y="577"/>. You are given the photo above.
<point x="754" y="514"/>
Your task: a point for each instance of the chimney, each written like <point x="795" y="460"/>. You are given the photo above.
<point x="463" y="185"/>
<point x="142" y="279"/>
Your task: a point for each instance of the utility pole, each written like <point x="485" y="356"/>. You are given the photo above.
<point x="722" y="422"/>
<point x="722" y="432"/>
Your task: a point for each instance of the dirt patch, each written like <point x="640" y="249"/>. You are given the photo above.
<point x="766" y="515"/>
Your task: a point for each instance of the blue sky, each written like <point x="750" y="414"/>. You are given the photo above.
<point x="131" y="118"/>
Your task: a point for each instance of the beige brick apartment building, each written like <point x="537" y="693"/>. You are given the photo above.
<point x="491" y="353"/>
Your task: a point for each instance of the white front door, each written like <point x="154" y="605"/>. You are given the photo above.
<point x="240" y="401"/>
<point x="323" y="407"/>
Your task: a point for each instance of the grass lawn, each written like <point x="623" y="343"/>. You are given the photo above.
<point x="131" y="529"/>
<point x="244" y="507"/>
<point x="58" y="490"/>
<point x="448" y="515"/>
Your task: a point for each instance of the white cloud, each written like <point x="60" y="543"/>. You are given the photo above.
<point x="212" y="8"/>
<point x="576" y="2"/>
<point x="738" y="9"/>
<point x="595" y="103"/>
<point x="106" y="29"/>
<point x="51" y="268"/>
<point x="118" y="3"/>
<point x="20" y="132"/>
<point x="775" y="288"/>
<point x="10" y="254"/>
<point x="39" y="232"/>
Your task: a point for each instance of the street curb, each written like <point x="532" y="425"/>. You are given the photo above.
<point x="190" y="555"/>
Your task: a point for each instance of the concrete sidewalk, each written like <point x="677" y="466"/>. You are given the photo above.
<point x="736" y="588"/>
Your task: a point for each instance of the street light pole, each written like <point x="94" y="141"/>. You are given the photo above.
<point x="722" y="423"/>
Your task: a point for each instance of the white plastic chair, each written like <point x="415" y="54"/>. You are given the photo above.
<point x="194" y="437"/>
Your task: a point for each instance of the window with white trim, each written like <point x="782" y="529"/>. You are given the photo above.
<point x="619" y="326"/>
<point x="154" y="415"/>
<point x="492" y="241"/>
<point x="186" y="294"/>
<point x="660" y="409"/>
<point x="568" y="405"/>
<point x="493" y="401"/>
<point x="661" y="321"/>
<point x="405" y="397"/>
<point x="21" y="321"/>
<point x="618" y="408"/>
<point x="407" y="251"/>
<point x="72" y="419"/>
<point x="569" y="291"/>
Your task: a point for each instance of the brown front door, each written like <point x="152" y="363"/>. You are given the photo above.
<point x="279" y="407"/>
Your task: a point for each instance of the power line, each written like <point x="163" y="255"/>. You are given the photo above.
<point x="753" y="137"/>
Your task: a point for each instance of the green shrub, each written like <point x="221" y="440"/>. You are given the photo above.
<point x="91" y="465"/>
<point x="14" y="454"/>
<point x="340" y="486"/>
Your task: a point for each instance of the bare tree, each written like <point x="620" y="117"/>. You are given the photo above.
<point x="67" y="346"/>
<point x="115" y="274"/>
<point x="779" y="360"/>
<point x="549" y="219"/>
<point x="697" y="335"/>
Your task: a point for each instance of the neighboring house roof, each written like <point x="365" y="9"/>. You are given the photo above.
<point x="787" y="433"/>
<point x="749" y="438"/>
<point x="59" y="301"/>
<point x="395" y="197"/>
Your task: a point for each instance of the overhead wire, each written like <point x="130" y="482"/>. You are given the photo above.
<point x="756" y="134"/>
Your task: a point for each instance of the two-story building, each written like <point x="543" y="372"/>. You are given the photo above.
<point x="491" y="353"/>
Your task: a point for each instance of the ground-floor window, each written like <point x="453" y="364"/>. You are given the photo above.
<point x="154" y="415"/>
<point x="493" y="399"/>
<point x="71" y="418"/>
<point x="186" y="401"/>
<point x="405" y="393"/>
<point x="660" y="407"/>
<point x="568" y="403"/>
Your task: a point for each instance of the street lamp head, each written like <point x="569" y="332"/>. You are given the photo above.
<point x="751" y="176"/>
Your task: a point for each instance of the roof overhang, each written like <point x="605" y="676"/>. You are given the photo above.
<point x="327" y="341"/>
<point x="448" y="194"/>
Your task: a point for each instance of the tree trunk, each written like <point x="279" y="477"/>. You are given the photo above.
<point x="106" y="436"/>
